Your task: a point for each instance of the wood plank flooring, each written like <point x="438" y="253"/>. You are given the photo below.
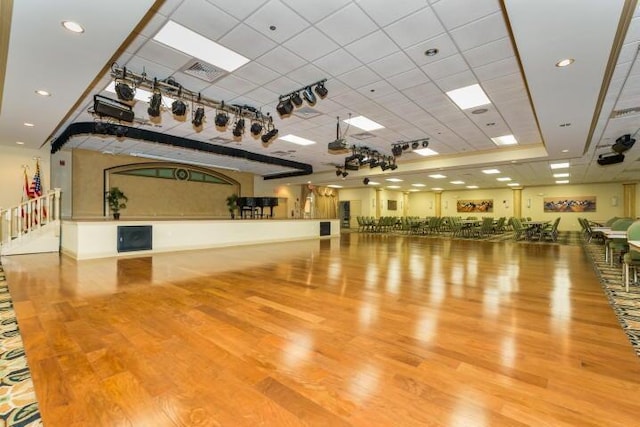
<point x="365" y="330"/>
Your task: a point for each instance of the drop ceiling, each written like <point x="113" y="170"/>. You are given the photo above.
<point x="373" y="57"/>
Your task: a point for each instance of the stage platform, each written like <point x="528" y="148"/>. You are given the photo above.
<point x="87" y="239"/>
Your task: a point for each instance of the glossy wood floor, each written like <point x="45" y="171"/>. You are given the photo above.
<point x="366" y="331"/>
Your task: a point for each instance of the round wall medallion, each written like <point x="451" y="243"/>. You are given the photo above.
<point x="181" y="174"/>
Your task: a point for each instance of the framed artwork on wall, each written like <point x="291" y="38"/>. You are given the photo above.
<point x="392" y="205"/>
<point x="570" y="204"/>
<point x="480" y="205"/>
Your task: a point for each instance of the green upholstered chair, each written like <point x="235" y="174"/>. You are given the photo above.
<point x="617" y="245"/>
<point x="551" y="232"/>
<point x="631" y="259"/>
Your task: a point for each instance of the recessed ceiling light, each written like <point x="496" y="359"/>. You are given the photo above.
<point x="565" y="62"/>
<point x="418" y="185"/>
<point x="43" y="92"/>
<point x="505" y="140"/>
<point x="563" y="181"/>
<point x="480" y="111"/>
<point x="437" y="189"/>
<point x="469" y="97"/>
<point x="29" y="125"/>
<point x="19" y="142"/>
<point x="457" y="182"/>
<point x="373" y="183"/>
<point x="559" y="165"/>
<point x="437" y="176"/>
<point x="334" y="186"/>
<point x="565" y="151"/>
<point x="193" y="44"/>
<point x="560" y="175"/>
<point x="297" y="140"/>
<point x="413" y="190"/>
<point x="425" y="152"/>
<point x="503" y="179"/>
<point x="490" y="171"/>
<point x="472" y="187"/>
<point x="74" y="27"/>
<point x="363" y="123"/>
<point x="141" y="94"/>
<point x="394" y="180"/>
<point x="513" y="184"/>
<point x="431" y="52"/>
<point x="394" y="187"/>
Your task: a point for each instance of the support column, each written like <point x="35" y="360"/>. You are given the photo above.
<point x="405" y="203"/>
<point x="629" y="202"/>
<point x="378" y="202"/>
<point x="517" y="202"/>
<point x="437" y="204"/>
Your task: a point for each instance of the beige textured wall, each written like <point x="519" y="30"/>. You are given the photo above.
<point x="148" y="197"/>
<point x="12" y="174"/>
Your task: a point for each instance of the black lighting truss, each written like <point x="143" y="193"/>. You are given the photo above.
<point x="398" y="147"/>
<point x="363" y="156"/>
<point x="174" y="90"/>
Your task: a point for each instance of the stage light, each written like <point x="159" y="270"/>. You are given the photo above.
<point x="393" y="166"/>
<point x="124" y="91"/>
<point x="309" y="96"/>
<point x="321" y="90"/>
<point x="295" y="98"/>
<point x="338" y="172"/>
<point x="198" y="117"/>
<point x="178" y="108"/>
<point x="285" y="107"/>
<point x="269" y="135"/>
<point x="345" y="174"/>
<point x="405" y="146"/>
<point x="414" y="145"/>
<point x="239" y="128"/>
<point x="396" y="150"/>
<point x="154" y="105"/>
<point x="256" y="128"/>
<point x="425" y="144"/>
<point x="221" y="119"/>
<point x="365" y="181"/>
<point x="374" y="163"/>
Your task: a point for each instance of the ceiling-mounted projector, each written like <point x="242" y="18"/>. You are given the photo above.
<point x="610" y="158"/>
<point x="339" y="146"/>
<point x="623" y="144"/>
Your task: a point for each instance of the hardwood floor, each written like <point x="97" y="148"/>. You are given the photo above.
<point x="367" y="330"/>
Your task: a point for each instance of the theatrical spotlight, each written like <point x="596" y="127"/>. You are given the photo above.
<point x="414" y="145"/>
<point x="345" y="174"/>
<point x="321" y="90"/>
<point x="154" y="105"/>
<point x="256" y="128"/>
<point x="221" y="119"/>
<point x="124" y="91"/>
<point x="198" y="117"/>
<point x="308" y="95"/>
<point x="285" y="107"/>
<point x="295" y="98"/>
<point x="396" y="150"/>
<point x="365" y="181"/>
<point x="238" y="130"/>
<point x="268" y="136"/>
<point x="338" y="172"/>
<point x="425" y="144"/>
<point x="178" y="108"/>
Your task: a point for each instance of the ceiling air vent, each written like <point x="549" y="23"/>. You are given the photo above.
<point x="203" y="71"/>
<point x="306" y="113"/>
<point x="362" y="135"/>
<point x="625" y="112"/>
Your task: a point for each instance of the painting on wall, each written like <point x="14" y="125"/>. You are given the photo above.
<point x="392" y="205"/>
<point x="483" y="205"/>
<point x="570" y="204"/>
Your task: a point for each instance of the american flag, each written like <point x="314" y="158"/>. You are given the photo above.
<point x="36" y="184"/>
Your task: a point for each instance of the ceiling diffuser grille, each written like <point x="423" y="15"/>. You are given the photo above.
<point x="203" y="71"/>
<point x="362" y="135"/>
<point x="626" y="112"/>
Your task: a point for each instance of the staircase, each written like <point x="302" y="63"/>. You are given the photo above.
<point x="32" y="226"/>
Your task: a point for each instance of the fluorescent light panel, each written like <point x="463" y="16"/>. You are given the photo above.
<point x="472" y="187"/>
<point x="425" y="152"/>
<point x="297" y="140"/>
<point x="457" y="182"/>
<point x="505" y="140"/>
<point x="469" y="97"/>
<point x="394" y="187"/>
<point x="418" y="185"/>
<point x="560" y="175"/>
<point x="374" y="183"/>
<point x="394" y="180"/>
<point x="334" y="186"/>
<point x="503" y="179"/>
<point x="363" y="123"/>
<point x="559" y="165"/>
<point x="563" y="181"/>
<point x="513" y="184"/>
<point x="491" y="171"/>
<point x="193" y="44"/>
<point x="437" y="189"/>
<point x="437" y="176"/>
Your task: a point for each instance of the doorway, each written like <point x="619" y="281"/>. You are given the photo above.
<point x="344" y="213"/>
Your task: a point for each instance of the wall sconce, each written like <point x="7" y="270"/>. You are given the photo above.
<point x="528" y="203"/>
<point x="614" y="201"/>
<point x="446" y="204"/>
<point x="431" y="204"/>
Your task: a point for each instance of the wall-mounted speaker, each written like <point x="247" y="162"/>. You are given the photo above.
<point x="623" y="144"/>
<point x="610" y="158"/>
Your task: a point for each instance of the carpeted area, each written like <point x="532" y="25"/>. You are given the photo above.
<point x="18" y="404"/>
<point x="626" y="305"/>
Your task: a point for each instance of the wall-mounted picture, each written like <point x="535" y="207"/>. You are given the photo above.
<point x="483" y="205"/>
<point x="392" y="205"/>
<point x="570" y="204"/>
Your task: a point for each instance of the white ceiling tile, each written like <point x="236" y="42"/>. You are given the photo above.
<point x="307" y="74"/>
<point x="404" y="31"/>
<point x="312" y="11"/>
<point x="497" y="69"/>
<point x="192" y="83"/>
<point x="282" y="85"/>
<point x="311" y="44"/>
<point x="372" y="47"/>
<point x="454" y="13"/>
<point x="445" y="45"/>
<point x="347" y="24"/>
<point x="453" y="64"/>
<point x="408" y="79"/>
<point x="490" y="52"/>
<point x="384" y="13"/>
<point x="247" y="41"/>
<point x="256" y="73"/>
<point x="359" y="77"/>
<point x="281" y="60"/>
<point x="153" y="26"/>
<point x="338" y="62"/>
<point x="263" y="96"/>
<point x="479" y="32"/>
<point x="466" y="78"/>
<point x="236" y="84"/>
<point x="204" y="18"/>
<point x="274" y="13"/>
<point x="170" y="58"/>
<point x="239" y="9"/>
<point x="392" y="99"/>
<point x="393" y="64"/>
<point x="424" y="90"/>
<point x="377" y="89"/>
